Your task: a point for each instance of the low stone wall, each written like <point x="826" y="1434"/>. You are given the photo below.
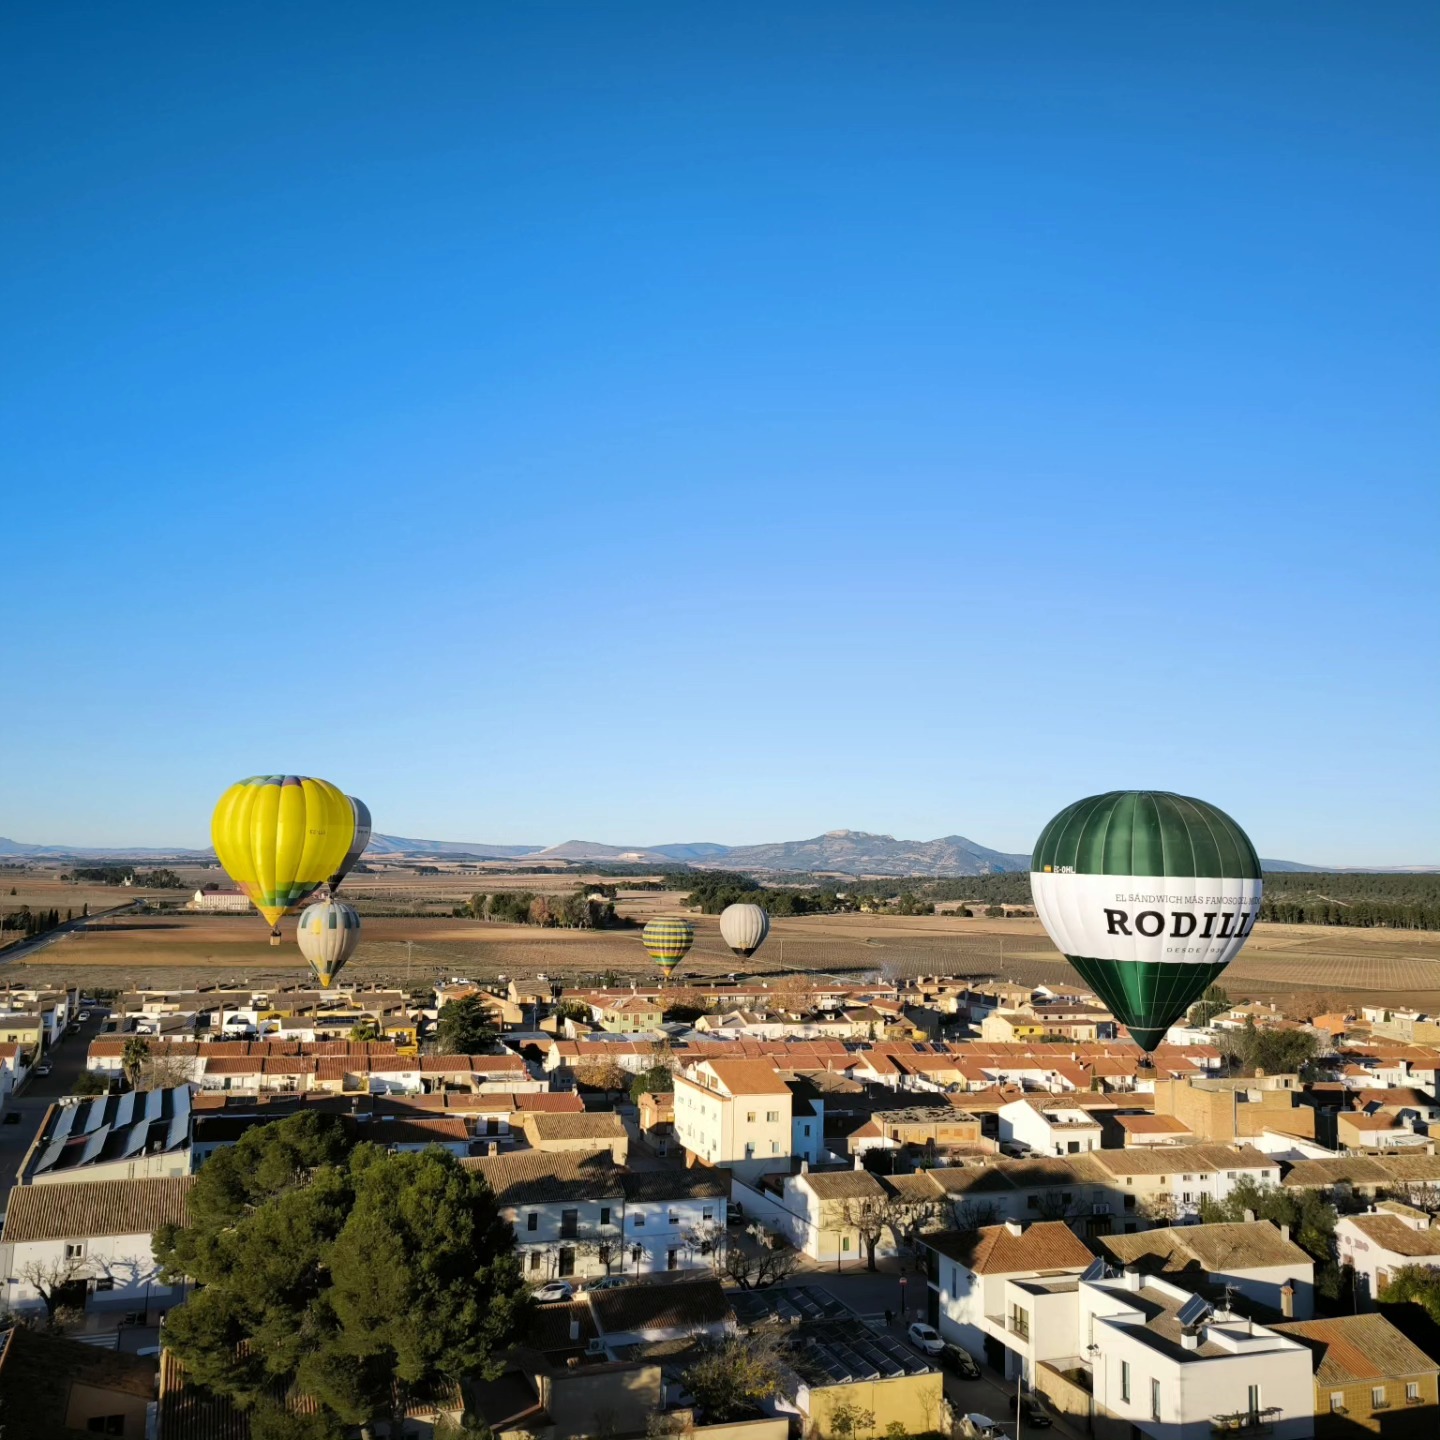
<point x="1067" y="1397"/>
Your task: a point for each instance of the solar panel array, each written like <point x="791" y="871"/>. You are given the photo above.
<point x="1195" y="1311"/>
<point x="116" y="1127"/>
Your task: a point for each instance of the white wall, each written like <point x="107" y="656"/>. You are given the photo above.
<point x="126" y="1261"/>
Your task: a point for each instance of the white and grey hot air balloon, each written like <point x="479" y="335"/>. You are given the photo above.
<point x="744" y="928"/>
<point x="328" y="932"/>
<point x="357" y="844"/>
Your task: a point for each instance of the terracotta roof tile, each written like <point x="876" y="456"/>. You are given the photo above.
<point x="995" y="1250"/>
<point x="63" y="1210"/>
<point x="1354" y="1349"/>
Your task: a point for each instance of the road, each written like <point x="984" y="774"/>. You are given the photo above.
<point x="66" y="1059"/>
<point x="66" y="927"/>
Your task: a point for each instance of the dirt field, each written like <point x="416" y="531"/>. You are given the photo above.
<point x="182" y="949"/>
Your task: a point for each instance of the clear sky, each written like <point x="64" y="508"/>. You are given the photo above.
<point x="665" y="422"/>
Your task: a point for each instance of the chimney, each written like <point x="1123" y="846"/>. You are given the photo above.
<point x="804" y="1167"/>
<point x="1287" y="1300"/>
<point x="1249" y="1217"/>
<point x="859" y="1160"/>
<point x="1015" y="1227"/>
<point x="1133" y="1279"/>
<point x="1189" y="1339"/>
<point x="1284" y="1232"/>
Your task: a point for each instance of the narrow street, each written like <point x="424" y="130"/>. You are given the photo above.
<point x="66" y="1059"/>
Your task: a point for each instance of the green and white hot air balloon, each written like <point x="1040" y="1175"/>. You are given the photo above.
<point x="1150" y="896"/>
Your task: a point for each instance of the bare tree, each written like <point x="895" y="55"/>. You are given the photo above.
<point x="765" y="1263"/>
<point x="54" y="1280"/>
<point x="162" y="1072"/>
<point x="1159" y="1209"/>
<point x="973" y="1214"/>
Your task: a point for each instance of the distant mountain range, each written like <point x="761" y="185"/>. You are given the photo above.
<point x="840" y="852"/>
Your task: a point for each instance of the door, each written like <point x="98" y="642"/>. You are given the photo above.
<point x="567" y="1260"/>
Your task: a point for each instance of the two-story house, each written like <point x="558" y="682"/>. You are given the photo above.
<point x="1376" y="1245"/>
<point x="736" y="1114"/>
<point x="972" y="1302"/>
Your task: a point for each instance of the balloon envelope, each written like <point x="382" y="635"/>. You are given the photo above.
<point x="744" y="928"/>
<point x="358" y="842"/>
<point x="328" y="932"/>
<point x="279" y="837"/>
<point x="668" y="942"/>
<point x="1150" y="896"/>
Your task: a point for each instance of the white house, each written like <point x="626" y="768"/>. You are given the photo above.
<point x="1378" y="1244"/>
<point x="975" y="1305"/>
<point x="1256" y="1259"/>
<point x="1164" y="1364"/>
<point x="672" y="1221"/>
<point x="1049" y="1126"/>
<point x="87" y="1244"/>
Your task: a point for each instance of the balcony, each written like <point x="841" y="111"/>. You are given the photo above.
<point x="1246" y="1422"/>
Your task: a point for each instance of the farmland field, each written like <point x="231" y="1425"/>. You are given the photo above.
<point x="424" y="943"/>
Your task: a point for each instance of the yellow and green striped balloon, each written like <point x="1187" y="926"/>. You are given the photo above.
<point x="280" y="837"/>
<point x="668" y="942"/>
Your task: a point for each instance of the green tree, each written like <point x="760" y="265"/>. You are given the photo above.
<point x="464" y="1027"/>
<point x="350" y="1275"/>
<point x="659" y="1080"/>
<point x="89" y="1083"/>
<point x="1309" y="1215"/>
<point x="133" y="1057"/>
<point x="733" y="1376"/>
<point x="1414" y="1285"/>
<point x="1212" y="1003"/>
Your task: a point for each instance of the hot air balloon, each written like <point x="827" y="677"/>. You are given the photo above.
<point x="1150" y="896"/>
<point x="744" y="928"/>
<point x="668" y="942"/>
<point x="328" y="932"/>
<point x="280" y="837"/>
<point x="357" y="844"/>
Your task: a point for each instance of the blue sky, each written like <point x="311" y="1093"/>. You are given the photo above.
<point x="650" y="423"/>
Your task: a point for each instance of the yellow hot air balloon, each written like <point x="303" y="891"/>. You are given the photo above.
<point x="280" y="837"/>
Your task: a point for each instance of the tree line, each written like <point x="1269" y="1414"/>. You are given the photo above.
<point x="32" y="922"/>
<point x="584" y="908"/>
<point x="120" y="874"/>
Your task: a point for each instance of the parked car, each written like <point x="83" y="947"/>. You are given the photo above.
<point x="608" y="1282"/>
<point x="924" y="1337"/>
<point x="43" y="1068"/>
<point x="83" y="1015"/>
<point x="555" y="1290"/>
<point x="980" y="1427"/>
<point x="960" y="1362"/>
<point x="1033" y="1417"/>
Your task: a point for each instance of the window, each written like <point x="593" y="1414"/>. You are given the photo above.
<point x="1154" y="1399"/>
<point x="1188" y="1198"/>
<point x="1020" y="1322"/>
<point x="750" y="1117"/>
<point x="1230" y="1174"/>
<point x="106" y="1425"/>
<point x="1032" y="1202"/>
<point x="1337" y="1402"/>
<point x="105" y="1282"/>
<point x="567" y="1260"/>
<point x="1186" y="1177"/>
<point x="1129" y="1179"/>
<point x="534" y="1259"/>
<point x="774" y="1147"/>
<point x="749" y="1149"/>
<point x="1412" y="1392"/>
<point x="672" y="1259"/>
<point x="1124" y="1379"/>
<point x="806" y="1129"/>
<point x="639" y="1220"/>
<point x="1379" y="1398"/>
<point x="569" y="1224"/>
<point x="844" y="1242"/>
<point x="532" y="1220"/>
<point x="604" y="1214"/>
<point x="772" y="1117"/>
<point x="74" y="1249"/>
<point x="1252" y="1404"/>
